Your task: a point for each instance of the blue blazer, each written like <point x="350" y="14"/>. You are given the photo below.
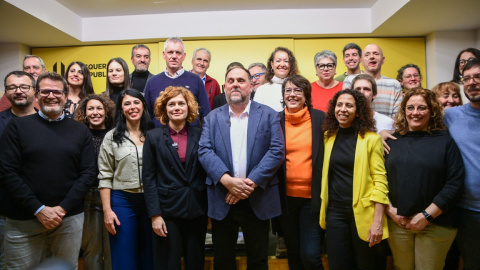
<point x="265" y="154"/>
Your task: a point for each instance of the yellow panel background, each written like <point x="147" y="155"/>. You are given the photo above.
<point x="94" y="57"/>
<point x="398" y="52"/>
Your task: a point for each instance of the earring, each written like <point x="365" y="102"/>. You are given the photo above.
<point x="86" y="119"/>
<point x="106" y="117"/>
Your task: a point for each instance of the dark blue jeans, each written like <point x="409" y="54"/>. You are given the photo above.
<point x="131" y="247"/>
<point x="303" y="235"/>
<point x="468" y="238"/>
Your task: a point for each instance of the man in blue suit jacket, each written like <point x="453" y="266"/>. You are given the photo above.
<point x="241" y="148"/>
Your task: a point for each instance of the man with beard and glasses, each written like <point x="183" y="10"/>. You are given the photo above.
<point x="463" y="123"/>
<point x="241" y="148"/>
<point x="389" y="95"/>
<point x="47" y="166"/>
<point x="32" y="65"/>
<point x="141" y="61"/>
<point x="20" y="91"/>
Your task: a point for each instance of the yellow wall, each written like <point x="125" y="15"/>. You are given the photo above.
<point x="398" y="52"/>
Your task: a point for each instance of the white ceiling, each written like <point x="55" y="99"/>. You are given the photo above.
<point x="41" y="23"/>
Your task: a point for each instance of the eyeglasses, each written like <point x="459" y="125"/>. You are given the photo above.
<point x="328" y="66"/>
<point x="476" y="78"/>
<point x="409" y="76"/>
<point x="46" y="93"/>
<point x="465" y="61"/>
<point x="420" y="108"/>
<point x="295" y="91"/>
<point x="13" y="88"/>
<point x="257" y="76"/>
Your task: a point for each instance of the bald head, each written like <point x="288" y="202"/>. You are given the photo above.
<point x="373" y="59"/>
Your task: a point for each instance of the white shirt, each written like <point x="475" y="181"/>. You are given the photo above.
<point x="176" y="75"/>
<point x="238" y="140"/>
<point x="383" y="122"/>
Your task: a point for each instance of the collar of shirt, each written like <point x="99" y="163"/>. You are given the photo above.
<point x="181" y="132"/>
<point x="204" y="79"/>
<point x="51" y="120"/>
<point x="176" y="75"/>
<point x="245" y="112"/>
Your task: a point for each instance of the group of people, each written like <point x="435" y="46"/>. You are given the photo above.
<point x="131" y="176"/>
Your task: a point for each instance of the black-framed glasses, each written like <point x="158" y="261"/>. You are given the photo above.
<point x="13" y="88"/>
<point x="257" y="76"/>
<point x="475" y="77"/>
<point x="465" y="61"/>
<point x="327" y="66"/>
<point x="46" y="92"/>
<point x="294" y="91"/>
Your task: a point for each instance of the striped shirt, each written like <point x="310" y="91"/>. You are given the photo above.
<point x="389" y="95"/>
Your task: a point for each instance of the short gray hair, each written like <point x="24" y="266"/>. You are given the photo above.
<point x="140" y="46"/>
<point x="325" y="54"/>
<point x="260" y="65"/>
<point x="201" y="49"/>
<point x="34" y="56"/>
<point x="174" y="40"/>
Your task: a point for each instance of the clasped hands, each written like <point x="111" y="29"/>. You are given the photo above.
<point x="417" y="222"/>
<point x="51" y="217"/>
<point x="238" y="188"/>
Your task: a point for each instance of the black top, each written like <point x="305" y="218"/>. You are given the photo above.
<point x="97" y="136"/>
<point x="139" y="80"/>
<point x="5" y="117"/>
<point x="342" y="162"/>
<point x="46" y="163"/>
<point x="423" y="168"/>
<point x="115" y="93"/>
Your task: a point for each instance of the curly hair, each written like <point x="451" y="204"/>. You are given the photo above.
<point x="169" y="93"/>
<point x="363" y="121"/>
<point x="108" y="106"/>
<point x="302" y="83"/>
<point x="435" y="109"/>
<point x="291" y="61"/>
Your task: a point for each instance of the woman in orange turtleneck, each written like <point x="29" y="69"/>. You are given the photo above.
<point x="300" y="175"/>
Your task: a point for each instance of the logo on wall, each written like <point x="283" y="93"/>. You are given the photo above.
<point x="62" y="68"/>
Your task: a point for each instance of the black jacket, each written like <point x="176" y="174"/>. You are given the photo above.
<point x="171" y="189"/>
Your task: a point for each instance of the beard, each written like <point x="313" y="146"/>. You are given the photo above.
<point x="21" y="103"/>
<point x="51" y="112"/>
<point x="472" y="98"/>
<point x="237" y="99"/>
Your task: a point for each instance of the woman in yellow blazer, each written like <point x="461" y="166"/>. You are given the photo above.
<point x="354" y="185"/>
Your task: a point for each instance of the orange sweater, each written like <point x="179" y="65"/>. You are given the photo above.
<point x="298" y="140"/>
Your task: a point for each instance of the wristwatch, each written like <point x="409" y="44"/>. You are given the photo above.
<point x="427" y="216"/>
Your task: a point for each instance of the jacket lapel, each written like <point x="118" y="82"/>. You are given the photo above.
<point x="223" y="123"/>
<point x="254" y="117"/>
<point x="174" y="158"/>
<point x="191" y="145"/>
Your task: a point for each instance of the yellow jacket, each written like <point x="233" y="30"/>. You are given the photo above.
<point x="369" y="182"/>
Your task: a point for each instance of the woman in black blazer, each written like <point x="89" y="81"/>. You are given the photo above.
<point x="174" y="183"/>
<point x="300" y="176"/>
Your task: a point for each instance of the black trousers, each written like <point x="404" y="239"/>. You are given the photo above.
<point x="346" y="251"/>
<point x="185" y="236"/>
<point x="255" y="234"/>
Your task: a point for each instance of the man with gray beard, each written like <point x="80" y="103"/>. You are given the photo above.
<point x="47" y="166"/>
<point x="241" y="149"/>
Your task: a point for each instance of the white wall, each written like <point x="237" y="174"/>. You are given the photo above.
<point x="442" y="49"/>
<point x="11" y="55"/>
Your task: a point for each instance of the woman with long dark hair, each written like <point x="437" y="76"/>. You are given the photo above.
<point x="79" y="86"/>
<point x="118" y="78"/>
<point x="354" y="183"/>
<point x="121" y="187"/>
